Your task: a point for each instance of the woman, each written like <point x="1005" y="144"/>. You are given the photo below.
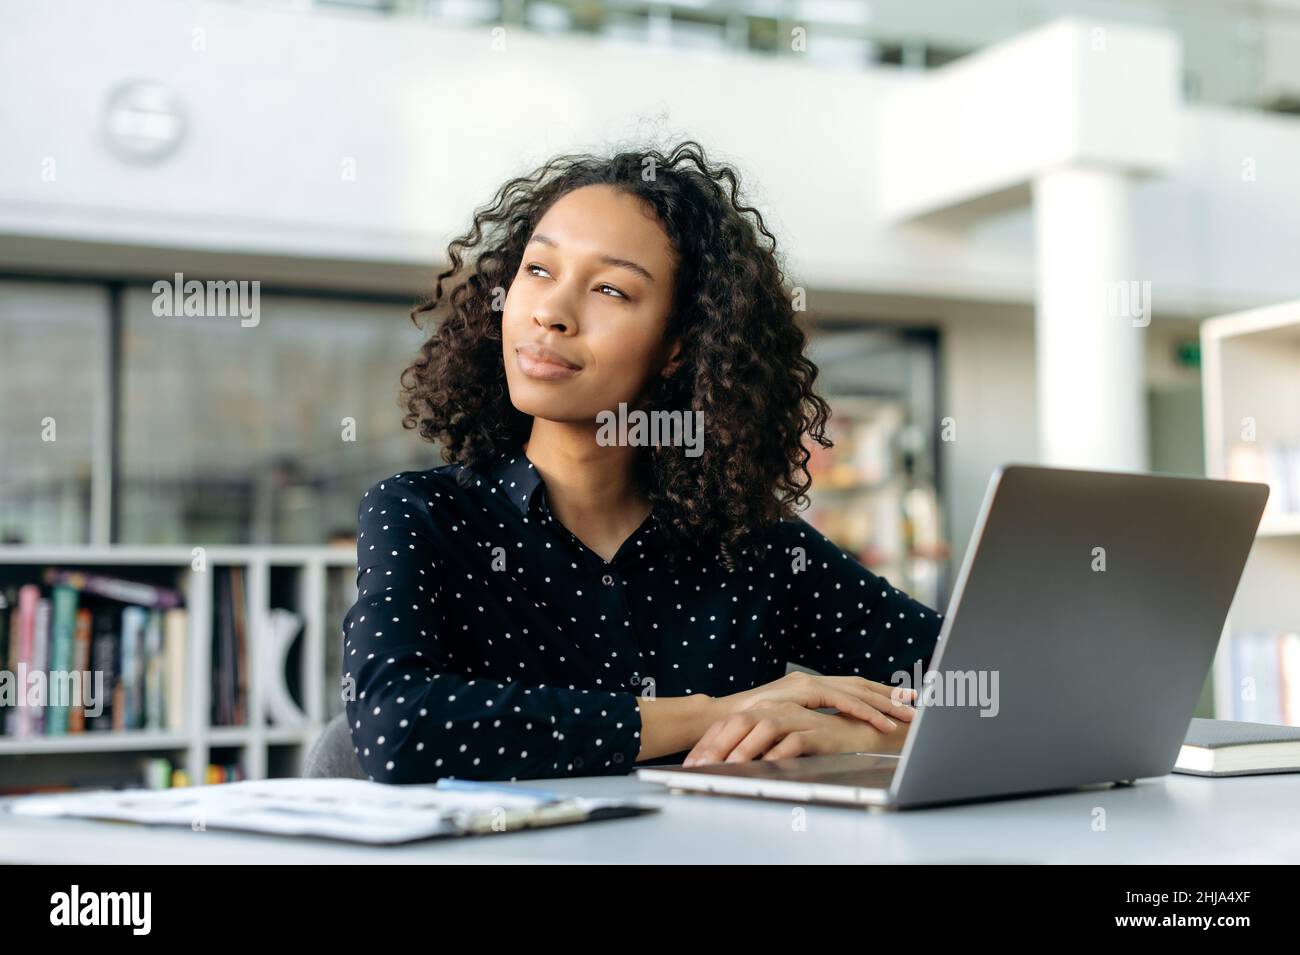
<point x="563" y="598"/>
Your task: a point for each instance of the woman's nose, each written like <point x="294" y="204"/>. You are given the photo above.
<point x="556" y="311"/>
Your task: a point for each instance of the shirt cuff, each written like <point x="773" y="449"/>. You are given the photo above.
<point x="603" y="736"/>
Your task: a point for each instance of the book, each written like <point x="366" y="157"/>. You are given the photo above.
<point x="62" y="635"/>
<point x="40" y="661"/>
<point x="1265" y="674"/>
<point x="1232" y="748"/>
<point x="152" y="691"/>
<point x="228" y="773"/>
<point x="239" y="606"/>
<point x="19" y="719"/>
<point x="1289" y="677"/>
<point x="228" y="651"/>
<point x="176" y="629"/>
<point x="349" y="810"/>
<point x="115" y="588"/>
<point x="8" y="597"/>
<point x="222" y="649"/>
<point x="81" y="663"/>
<point x="1274" y="464"/>
<point x="105" y="656"/>
<point x="131" y="716"/>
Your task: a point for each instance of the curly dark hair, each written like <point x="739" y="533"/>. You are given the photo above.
<point x="742" y="351"/>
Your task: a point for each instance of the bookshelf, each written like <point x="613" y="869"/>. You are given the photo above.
<point x="864" y="499"/>
<point x="317" y="583"/>
<point x="1251" y="394"/>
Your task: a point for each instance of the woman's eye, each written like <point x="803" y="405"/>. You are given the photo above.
<point x="533" y="268"/>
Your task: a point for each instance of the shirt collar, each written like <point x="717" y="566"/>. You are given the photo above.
<point x="516" y="478"/>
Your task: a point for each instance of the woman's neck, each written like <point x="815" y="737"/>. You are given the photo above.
<point x="591" y="488"/>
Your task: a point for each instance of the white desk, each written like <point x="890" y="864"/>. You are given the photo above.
<point x="1174" y="819"/>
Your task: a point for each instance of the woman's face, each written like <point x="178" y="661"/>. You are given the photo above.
<point x="584" y="320"/>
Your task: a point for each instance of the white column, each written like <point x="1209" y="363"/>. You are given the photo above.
<point x="1090" y="322"/>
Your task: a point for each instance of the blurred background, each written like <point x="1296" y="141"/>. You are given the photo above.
<point x="1012" y="221"/>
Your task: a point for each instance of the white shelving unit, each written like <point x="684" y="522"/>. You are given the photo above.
<point x="263" y="750"/>
<point x="1251" y="370"/>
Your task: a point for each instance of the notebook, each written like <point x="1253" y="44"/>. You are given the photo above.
<point x="351" y="810"/>
<point x="1229" y="748"/>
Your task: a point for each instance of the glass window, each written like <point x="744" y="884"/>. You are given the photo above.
<point x="53" y="346"/>
<point x="263" y="434"/>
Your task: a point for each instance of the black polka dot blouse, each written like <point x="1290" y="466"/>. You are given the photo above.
<point x="488" y="642"/>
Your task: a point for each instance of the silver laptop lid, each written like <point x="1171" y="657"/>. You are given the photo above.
<point x="1083" y="623"/>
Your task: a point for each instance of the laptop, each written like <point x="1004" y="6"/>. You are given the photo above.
<point x="1080" y="632"/>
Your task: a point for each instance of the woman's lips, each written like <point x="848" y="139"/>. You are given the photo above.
<point x="535" y="367"/>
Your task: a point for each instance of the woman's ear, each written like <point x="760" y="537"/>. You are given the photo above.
<point x="674" y="359"/>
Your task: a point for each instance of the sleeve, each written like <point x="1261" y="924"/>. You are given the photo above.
<point x="413" y="718"/>
<point x="842" y="620"/>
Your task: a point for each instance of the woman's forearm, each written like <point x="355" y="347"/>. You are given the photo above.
<point x="675" y="723"/>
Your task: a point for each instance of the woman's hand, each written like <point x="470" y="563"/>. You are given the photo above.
<point x="775" y="730"/>
<point x="854" y="696"/>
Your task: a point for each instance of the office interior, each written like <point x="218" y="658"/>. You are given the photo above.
<point x="944" y="177"/>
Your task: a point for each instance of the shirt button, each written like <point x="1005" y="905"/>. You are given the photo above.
<point x="618" y="757"/>
<point x="607" y="580"/>
<point x="577" y="762"/>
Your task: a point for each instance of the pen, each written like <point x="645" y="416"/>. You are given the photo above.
<point x="474" y="785"/>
